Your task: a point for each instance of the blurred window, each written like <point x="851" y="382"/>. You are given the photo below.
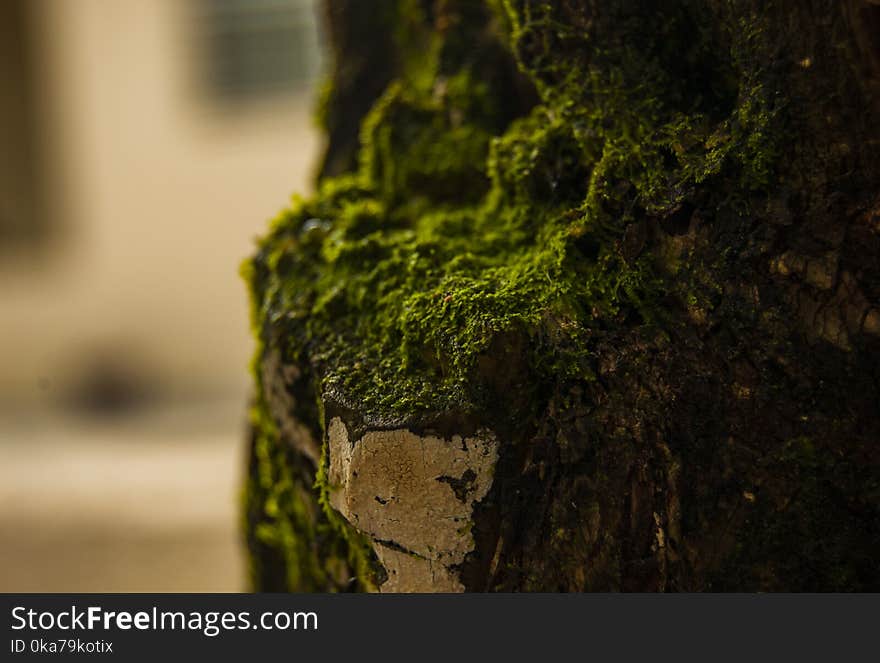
<point x="258" y="48"/>
<point x="22" y="226"/>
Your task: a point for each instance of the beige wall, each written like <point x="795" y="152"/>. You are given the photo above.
<point x="157" y="197"/>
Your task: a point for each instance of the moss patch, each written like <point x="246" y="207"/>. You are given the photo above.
<point x="393" y="280"/>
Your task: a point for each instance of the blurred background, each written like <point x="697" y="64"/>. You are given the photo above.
<point x="145" y="143"/>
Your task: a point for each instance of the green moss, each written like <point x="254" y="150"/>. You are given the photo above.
<point x="312" y="548"/>
<point x="467" y="222"/>
<point x="316" y="549"/>
<point x="394" y="280"/>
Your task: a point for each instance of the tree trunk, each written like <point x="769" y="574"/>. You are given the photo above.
<point x="590" y="302"/>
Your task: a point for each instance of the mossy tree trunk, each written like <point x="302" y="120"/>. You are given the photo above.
<point x="588" y="299"/>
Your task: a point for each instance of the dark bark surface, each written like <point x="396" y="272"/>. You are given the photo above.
<point x="704" y="414"/>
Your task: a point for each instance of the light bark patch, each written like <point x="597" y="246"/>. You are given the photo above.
<point x="414" y="496"/>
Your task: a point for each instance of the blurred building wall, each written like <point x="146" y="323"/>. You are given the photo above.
<point x="152" y="189"/>
<point x="143" y="145"/>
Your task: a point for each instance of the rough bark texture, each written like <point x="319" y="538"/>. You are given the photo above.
<point x="589" y="301"/>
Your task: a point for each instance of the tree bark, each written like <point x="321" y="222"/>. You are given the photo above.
<point x="588" y="300"/>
